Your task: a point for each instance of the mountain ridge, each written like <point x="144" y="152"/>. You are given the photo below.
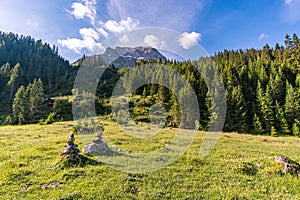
<point x="120" y="57"/>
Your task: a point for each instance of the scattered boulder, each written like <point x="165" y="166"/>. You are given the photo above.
<point x="49" y="185"/>
<point x="71" y="151"/>
<point x="98" y="146"/>
<point x="26" y="187"/>
<point x="288" y="166"/>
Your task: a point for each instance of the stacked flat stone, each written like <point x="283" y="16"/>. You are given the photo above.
<point x="98" y="138"/>
<point x="98" y="146"/>
<point x="71" y="149"/>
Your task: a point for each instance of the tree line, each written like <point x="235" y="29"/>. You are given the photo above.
<point x="262" y="89"/>
<point x="36" y="60"/>
<point x="24" y="62"/>
<point x="262" y="86"/>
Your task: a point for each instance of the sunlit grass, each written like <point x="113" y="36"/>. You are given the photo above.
<point x="240" y="166"/>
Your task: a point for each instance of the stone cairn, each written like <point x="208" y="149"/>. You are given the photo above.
<point x="71" y="151"/>
<point x="98" y="146"/>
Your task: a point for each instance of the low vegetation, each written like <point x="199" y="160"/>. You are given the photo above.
<point x="240" y="167"/>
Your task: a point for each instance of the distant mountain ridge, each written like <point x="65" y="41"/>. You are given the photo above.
<point x="120" y="57"/>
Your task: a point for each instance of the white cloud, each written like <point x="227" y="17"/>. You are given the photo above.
<point x="121" y="26"/>
<point x="85" y="8"/>
<point x="89" y="33"/>
<point x="124" y="39"/>
<point x="90" y="36"/>
<point x="187" y="40"/>
<point x="73" y="44"/>
<point x="32" y="23"/>
<point x="103" y="32"/>
<point x="178" y="15"/>
<point x="290" y="12"/>
<point x="153" y="41"/>
<point x="88" y="42"/>
<point x="288" y="2"/>
<point x="263" y="36"/>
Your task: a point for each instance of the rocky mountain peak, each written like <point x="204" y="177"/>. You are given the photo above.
<point x="127" y="56"/>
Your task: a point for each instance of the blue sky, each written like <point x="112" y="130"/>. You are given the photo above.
<point x="81" y="26"/>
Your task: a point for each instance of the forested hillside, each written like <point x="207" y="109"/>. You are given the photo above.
<point x="36" y="60"/>
<point x="262" y="90"/>
<point x="24" y="61"/>
<point x="262" y="85"/>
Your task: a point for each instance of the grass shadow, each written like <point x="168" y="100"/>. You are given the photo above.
<point x="82" y="161"/>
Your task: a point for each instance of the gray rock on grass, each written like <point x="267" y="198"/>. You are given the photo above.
<point x="288" y="166"/>
<point x="98" y="146"/>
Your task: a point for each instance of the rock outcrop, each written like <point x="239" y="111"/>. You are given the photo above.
<point x="122" y="57"/>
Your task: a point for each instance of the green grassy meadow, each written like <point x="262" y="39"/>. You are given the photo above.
<point x="241" y="166"/>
